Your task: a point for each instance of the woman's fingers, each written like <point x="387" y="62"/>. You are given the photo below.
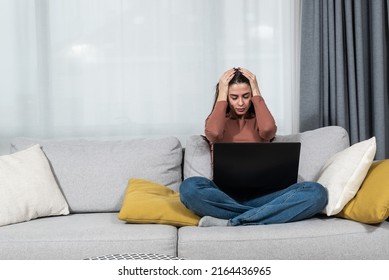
<point x="227" y="76"/>
<point x="223" y="83"/>
<point x="253" y="81"/>
<point x="247" y="74"/>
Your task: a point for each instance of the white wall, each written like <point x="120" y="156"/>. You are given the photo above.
<point x="82" y="68"/>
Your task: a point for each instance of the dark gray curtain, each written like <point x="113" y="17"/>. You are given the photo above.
<point x="344" y="68"/>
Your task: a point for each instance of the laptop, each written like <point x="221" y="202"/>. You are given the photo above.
<point x="248" y="170"/>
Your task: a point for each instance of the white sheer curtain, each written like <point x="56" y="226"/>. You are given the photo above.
<point x="86" y="68"/>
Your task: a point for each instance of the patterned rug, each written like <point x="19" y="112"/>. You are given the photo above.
<point x="135" y="256"/>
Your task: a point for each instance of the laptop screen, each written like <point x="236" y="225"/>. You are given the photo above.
<point x="248" y="170"/>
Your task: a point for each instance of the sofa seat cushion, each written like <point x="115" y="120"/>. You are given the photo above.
<point x="81" y="236"/>
<point x="316" y="238"/>
<point x="93" y="173"/>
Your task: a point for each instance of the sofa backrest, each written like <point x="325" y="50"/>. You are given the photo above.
<point x="317" y="146"/>
<point x="93" y="174"/>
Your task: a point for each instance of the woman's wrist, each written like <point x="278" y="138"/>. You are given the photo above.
<point x="222" y="97"/>
<point x="255" y="89"/>
<point x="256" y="93"/>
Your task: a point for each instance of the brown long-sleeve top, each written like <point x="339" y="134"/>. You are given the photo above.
<point x="221" y="128"/>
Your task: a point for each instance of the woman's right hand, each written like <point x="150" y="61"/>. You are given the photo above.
<point x="253" y="81"/>
<point x="223" y="84"/>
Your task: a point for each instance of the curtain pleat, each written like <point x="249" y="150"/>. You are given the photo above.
<point x="344" y="68"/>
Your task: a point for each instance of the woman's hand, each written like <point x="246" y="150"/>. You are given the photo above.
<point x="253" y="81"/>
<point x="223" y="84"/>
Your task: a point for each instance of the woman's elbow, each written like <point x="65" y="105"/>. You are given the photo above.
<point x="268" y="133"/>
<point x="213" y="136"/>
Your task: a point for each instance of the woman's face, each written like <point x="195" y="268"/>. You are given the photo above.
<point x="239" y="98"/>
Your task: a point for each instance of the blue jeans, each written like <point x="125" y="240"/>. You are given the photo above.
<point x="297" y="202"/>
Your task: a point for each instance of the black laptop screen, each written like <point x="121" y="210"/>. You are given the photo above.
<point x="248" y="170"/>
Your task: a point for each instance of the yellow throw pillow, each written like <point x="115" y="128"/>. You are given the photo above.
<point x="371" y="203"/>
<point x="147" y="202"/>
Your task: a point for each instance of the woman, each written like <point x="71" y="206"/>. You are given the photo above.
<point x="240" y="114"/>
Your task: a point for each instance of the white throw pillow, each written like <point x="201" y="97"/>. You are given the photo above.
<point x="344" y="172"/>
<point x="28" y="189"/>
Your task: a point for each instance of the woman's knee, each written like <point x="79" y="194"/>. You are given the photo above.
<point x="319" y="194"/>
<point x="189" y="188"/>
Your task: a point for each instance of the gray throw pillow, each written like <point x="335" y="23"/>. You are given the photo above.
<point x="197" y="159"/>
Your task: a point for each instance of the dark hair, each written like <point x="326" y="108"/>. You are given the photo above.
<point x="238" y="78"/>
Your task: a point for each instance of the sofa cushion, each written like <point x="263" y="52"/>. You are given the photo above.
<point x="82" y="236"/>
<point x="317" y="146"/>
<point x="151" y="203"/>
<point x="28" y="189"/>
<point x="313" y="239"/>
<point x="371" y="203"/>
<point x="343" y="174"/>
<point x="197" y="158"/>
<point x="93" y="173"/>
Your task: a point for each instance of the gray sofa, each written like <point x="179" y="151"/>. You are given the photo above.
<point x="93" y="174"/>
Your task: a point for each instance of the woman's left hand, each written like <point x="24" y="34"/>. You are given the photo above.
<point x="253" y="81"/>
